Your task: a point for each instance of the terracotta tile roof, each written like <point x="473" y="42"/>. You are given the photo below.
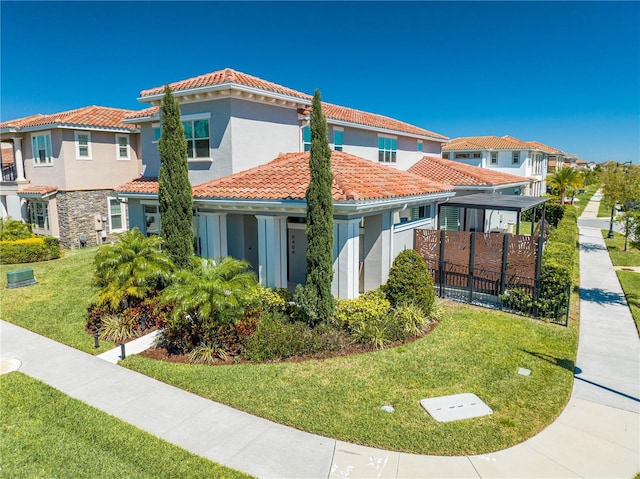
<point x="139" y="185"/>
<point x="335" y="112"/>
<point x="485" y="142"/>
<point x="98" y="116"/>
<point x="459" y="174"/>
<point x="147" y="112"/>
<point x="537" y="145"/>
<point x="36" y="190"/>
<point x="287" y="178"/>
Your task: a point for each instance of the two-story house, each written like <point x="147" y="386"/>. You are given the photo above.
<point x="247" y="153"/>
<point x="65" y="165"/>
<point x="505" y="154"/>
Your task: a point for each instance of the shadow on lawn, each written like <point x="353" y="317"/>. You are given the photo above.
<point x="563" y="363"/>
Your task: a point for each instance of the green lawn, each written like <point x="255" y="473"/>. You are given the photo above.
<point x="48" y="434"/>
<point x="604" y="211"/>
<point x="472" y="350"/>
<point x="617" y="254"/>
<point x="56" y="306"/>
<point x="629" y="280"/>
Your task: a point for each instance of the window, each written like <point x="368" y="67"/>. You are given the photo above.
<point x="477" y="154"/>
<point x="122" y="145"/>
<point x="462" y="156"/>
<point x="516" y="157"/>
<point x="306" y="138"/>
<point x="157" y="132"/>
<point x="494" y="157"/>
<point x="39" y="214"/>
<point x="449" y="218"/>
<point x="445" y="156"/>
<point x="42" y="152"/>
<point x="117" y="220"/>
<point x="387" y="147"/>
<point x="83" y="145"/>
<point x="196" y="132"/>
<point x="152" y="220"/>
<point x="420" y="212"/>
<point x="419" y="145"/>
<point x="337" y="138"/>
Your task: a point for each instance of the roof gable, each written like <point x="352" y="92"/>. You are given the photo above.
<point x="460" y="174"/>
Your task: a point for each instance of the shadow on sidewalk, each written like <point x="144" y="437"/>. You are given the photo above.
<point x="590" y="247"/>
<point x="614" y="391"/>
<point x="600" y="296"/>
<point x="563" y="363"/>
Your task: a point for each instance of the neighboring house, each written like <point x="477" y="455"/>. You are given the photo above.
<point x="506" y="154"/>
<point x="259" y="215"/>
<point x="467" y="180"/>
<point x="65" y="167"/>
<point x="234" y="121"/>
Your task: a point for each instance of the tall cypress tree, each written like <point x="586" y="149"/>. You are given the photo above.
<point x="319" y="221"/>
<point x="174" y="189"/>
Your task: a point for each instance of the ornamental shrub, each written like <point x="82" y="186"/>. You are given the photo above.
<point x="11" y="230"/>
<point x="553" y="215"/>
<point x="30" y="250"/>
<point x="410" y="282"/>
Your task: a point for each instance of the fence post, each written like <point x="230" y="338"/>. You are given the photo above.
<point x="503" y="271"/>
<point x="537" y="282"/>
<point x="442" y="264"/>
<point x="472" y="254"/>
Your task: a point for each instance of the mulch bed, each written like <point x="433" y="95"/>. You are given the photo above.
<point x="161" y="354"/>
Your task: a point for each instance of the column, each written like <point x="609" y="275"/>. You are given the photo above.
<point x="213" y="235"/>
<point x="272" y="251"/>
<point x="17" y="156"/>
<point x="346" y="254"/>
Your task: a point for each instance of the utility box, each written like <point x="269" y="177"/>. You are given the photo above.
<point x="20" y="277"/>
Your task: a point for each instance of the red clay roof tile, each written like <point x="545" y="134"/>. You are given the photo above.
<point x="139" y="185"/>
<point x="459" y="174"/>
<point x="36" y="190"/>
<point x="98" y="116"/>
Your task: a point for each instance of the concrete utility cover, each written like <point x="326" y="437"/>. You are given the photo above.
<point x="455" y="407"/>
<point x="8" y="365"/>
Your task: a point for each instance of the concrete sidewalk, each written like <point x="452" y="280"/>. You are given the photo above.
<point x="597" y="435"/>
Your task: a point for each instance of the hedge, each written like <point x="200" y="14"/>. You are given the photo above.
<point x="554" y="212"/>
<point x="29" y="250"/>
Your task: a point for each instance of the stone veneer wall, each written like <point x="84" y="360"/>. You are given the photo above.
<point x="76" y="215"/>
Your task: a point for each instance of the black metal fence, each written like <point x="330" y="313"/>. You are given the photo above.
<point x="495" y="289"/>
<point x="9" y="173"/>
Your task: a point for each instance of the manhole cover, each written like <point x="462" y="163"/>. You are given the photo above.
<point x="455" y="407"/>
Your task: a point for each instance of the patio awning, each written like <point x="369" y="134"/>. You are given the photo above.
<point x="487" y="201"/>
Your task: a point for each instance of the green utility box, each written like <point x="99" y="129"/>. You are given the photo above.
<point x="20" y="277"/>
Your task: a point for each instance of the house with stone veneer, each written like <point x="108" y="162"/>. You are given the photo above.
<point x="63" y="168"/>
<point x="259" y="215"/>
<point x="467" y="180"/>
<point x="505" y="154"/>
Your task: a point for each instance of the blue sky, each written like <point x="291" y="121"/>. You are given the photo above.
<point x="563" y="73"/>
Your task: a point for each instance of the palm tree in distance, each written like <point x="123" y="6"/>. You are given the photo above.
<point x="132" y="267"/>
<point x="565" y="177"/>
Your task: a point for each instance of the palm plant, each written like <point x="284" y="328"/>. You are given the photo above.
<point x="212" y="291"/>
<point x="565" y="177"/>
<point x="132" y="267"/>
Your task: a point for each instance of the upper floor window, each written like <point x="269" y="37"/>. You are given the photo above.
<point x="337" y="138"/>
<point x="419" y="145"/>
<point x="306" y="139"/>
<point x="83" y="145"/>
<point x="196" y="132"/>
<point x="477" y="154"/>
<point x="42" y="151"/>
<point x="122" y="145"/>
<point x="387" y="147"/>
<point x="445" y="156"/>
<point x="117" y="220"/>
<point x="494" y="157"/>
<point x="157" y="132"/>
<point x="516" y="157"/>
<point x="462" y="156"/>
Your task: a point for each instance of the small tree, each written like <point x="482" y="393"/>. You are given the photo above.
<point x="621" y="184"/>
<point x="318" y="301"/>
<point x="174" y="190"/>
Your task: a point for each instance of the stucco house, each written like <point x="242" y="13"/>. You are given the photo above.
<point x="64" y="168"/>
<point x="259" y="215"/>
<point x="468" y="180"/>
<point x="505" y="154"/>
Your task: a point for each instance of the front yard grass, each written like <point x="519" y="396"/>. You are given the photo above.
<point x="629" y="280"/>
<point x="472" y="350"/>
<point x="48" y="434"/>
<point x="56" y="307"/>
